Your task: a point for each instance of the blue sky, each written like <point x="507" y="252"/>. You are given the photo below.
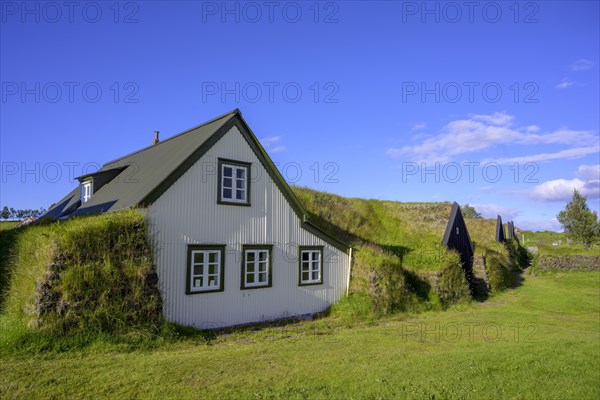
<point x="495" y="104"/>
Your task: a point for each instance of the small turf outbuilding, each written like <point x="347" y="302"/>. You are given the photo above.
<point x="233" y="245"/>
<point x="510" y="229"/>
<point x="456" y="237"/>
<point x="500" y="237"/>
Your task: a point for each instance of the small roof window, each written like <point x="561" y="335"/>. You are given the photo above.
<point x="87" y="190"/>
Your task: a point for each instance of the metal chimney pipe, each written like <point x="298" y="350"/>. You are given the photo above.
<point x="156" y="140"/>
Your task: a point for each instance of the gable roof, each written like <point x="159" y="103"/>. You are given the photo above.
<point x="140" y="178"/>
<point x="456" y="217"/>
<point x="510" y="229"/>
<point x="500" y="237"/>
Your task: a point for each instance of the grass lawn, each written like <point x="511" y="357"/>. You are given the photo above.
<point x="4" y="225"/>
<point x="540" y="340"/>
<point x="555" y="243"/>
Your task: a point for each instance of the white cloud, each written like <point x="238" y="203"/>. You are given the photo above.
<point x="561" y="136"/>
<point x="269" y="140"/>
<point x="581" y="65"/>
<point x="277" y="149"/>
<point x="573" y="153"/>
<point x="493" y="210"/>
<point x="488" y="188"/>
<point x="419" y="126"/>
<point x="562" y="189"/>
<point x="271" y="144"/>
<point x="589" y="172"/>
<point x="497" y="118"/>
<point x="481" y="132"/>
<point x="565" y="83"/>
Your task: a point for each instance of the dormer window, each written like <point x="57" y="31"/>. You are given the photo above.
<point x="87" y="190"/>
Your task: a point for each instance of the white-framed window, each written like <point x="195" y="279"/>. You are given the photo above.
<point x="87" y="190"/>
<point x="205" y="268"/>
<point x="256" y="266"/>
<point x="310" y="265"/>
<point x="234" y="182"/>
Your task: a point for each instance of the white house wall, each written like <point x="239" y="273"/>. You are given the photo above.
<point x="188" y="213"/>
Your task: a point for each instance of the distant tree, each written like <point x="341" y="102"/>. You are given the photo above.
<point x="579" y="222"/>
<point x="470" y="212"/>
<point x="11" y="213"/>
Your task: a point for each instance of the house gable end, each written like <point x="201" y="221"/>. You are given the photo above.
<point x="456" y="220"/>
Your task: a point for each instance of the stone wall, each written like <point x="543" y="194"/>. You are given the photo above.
<point x="579" y="262"/>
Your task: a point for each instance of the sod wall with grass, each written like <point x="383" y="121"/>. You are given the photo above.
<point x="399" y="259"/>
<point x="83" y="276"/>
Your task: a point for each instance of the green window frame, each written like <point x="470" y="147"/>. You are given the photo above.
<point x="310" y="265"/>
<point x="205" y="268"/>
<point x="257" y="266"/>
<point x="234" y="182"/>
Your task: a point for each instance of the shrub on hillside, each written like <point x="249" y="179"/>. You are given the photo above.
<point x="385" y="281"/>
<point x="452" y="286"/>
<point x="517" y="254"/>
<point x="500" y="270"/>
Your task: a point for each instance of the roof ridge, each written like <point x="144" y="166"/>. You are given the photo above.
<point x="230" y="113"/>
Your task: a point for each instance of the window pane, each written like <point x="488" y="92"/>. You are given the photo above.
<point x="262" y="267"/>
<point x="227" y="194"/>
<point x="212" y="257"/>
<point x="239" y="195"/>
<point x="262" y="277"/>
<point x="250" y="267"/>
<point x="198" y="282"/>
<point x="212" y="282"/>
<point x="262" y="256"/>
<point x="315" y="275"/>
<point x="198" y="258"/>
<point x="304" y="276"/>
<point x="250" y="278"/>
<point x="316" y="255"/>
<point x="227" y="171"/>
<point x="227" y="182"/>
<point x="198" y="270"/>
<point x="212" y="269"/>
<point x="250" y="256"/>
<point x="239" y="184"/>
<point x="315" y="266"/>
<point x="305" y="256"/>
<point x="305" y="266"/>
<point x="241" y="173"/>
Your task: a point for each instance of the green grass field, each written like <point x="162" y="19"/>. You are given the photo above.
<point x="555" y="243"/>
<point x="539" y="340"/>
<point x="4" y="225"/>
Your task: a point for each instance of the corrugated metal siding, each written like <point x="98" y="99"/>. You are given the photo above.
<point x="188" y="213"/>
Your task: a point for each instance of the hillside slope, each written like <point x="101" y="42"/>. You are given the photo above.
<point x="412" y="231"/>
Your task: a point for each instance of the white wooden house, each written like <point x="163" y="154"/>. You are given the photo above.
<point x="233" y="244"/>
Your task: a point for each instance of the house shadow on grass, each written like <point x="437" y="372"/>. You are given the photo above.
<point x="417" y="284"/>
<point x="399" y="251"/>
<point x="212" y="335"/>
